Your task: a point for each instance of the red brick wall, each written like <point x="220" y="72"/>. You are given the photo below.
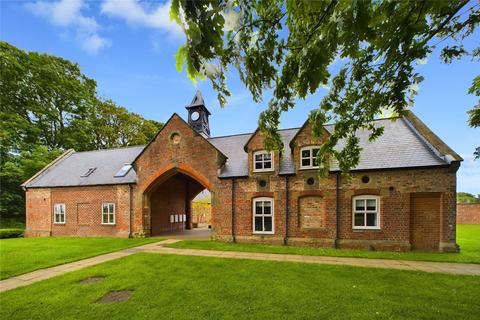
<point x="83" y="209"/>
<point x="38" y="209"/>
<point x="189" y="154"/>
<point x="468" y="213"/>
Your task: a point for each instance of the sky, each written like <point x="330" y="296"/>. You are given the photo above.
<point x="128" y="47"/>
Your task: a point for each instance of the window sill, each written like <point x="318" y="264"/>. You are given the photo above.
<point x="59" y="223"/>
<point x="263" y="171"/>
<point x="258" y="233"/>
<point x="366" y="229"/>
<point x="309" y="168"/>
<point x="108" y="224"/>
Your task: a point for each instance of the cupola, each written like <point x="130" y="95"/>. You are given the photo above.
<point x="198" y="115"/>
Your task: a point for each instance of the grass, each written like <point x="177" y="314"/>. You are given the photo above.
<point x="468" y="237"/>
<point x="187" y="287"/>
<point x="22" y="255"/>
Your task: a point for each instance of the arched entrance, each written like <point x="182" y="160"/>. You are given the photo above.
<point x="168" y="203"/>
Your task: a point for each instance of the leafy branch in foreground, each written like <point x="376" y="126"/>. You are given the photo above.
<point x="365" y="51"/>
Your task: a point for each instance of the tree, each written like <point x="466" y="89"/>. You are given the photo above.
<point x="465" y="197"/>
<point x="474" y="114"/>
<point x="290" y="47"/>
<point x="47" y="105"/>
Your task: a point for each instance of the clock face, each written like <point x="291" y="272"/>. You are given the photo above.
<point x="195" y="115"/>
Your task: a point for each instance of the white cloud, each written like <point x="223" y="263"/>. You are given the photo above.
<point x="137" y="14"/>
<point x="67" y="14"/>
<point x="93" y="43"/>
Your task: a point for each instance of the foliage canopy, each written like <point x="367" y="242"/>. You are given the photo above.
<point x="47" y="106"/>
<point x="365" y="51"/>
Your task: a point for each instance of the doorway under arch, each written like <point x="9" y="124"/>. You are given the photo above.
<point x="169" y="203"/>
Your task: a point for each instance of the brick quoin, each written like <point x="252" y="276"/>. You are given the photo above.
<point x="417" y="205"/>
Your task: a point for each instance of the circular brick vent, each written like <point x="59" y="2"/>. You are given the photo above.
<point x="175" y="138"/>
<point x="310" y="181"/>
<point x="262" y="183"/>
<point x="365" y="179"/>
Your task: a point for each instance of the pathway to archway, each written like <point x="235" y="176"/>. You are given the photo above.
<point x="424" y="266"/>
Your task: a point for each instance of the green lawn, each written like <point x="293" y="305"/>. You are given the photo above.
<point x="187" y="287"/>
<point x="23" y="255"/>
<point x="468" y="237"/>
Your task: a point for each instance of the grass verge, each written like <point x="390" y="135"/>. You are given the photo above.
<point x="186" y="287"/>
<point x="22" y="255"/>
<point x="468" y="237"/>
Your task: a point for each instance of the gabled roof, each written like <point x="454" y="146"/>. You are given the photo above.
<point x="402" y="145"/>
<point x="165" y="125"/>
<point x="68" y="170"/>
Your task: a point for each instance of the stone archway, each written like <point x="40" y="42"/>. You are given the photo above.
<point x="167" y="199"/>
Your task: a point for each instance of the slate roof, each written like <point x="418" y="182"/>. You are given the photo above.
<point x="400" y="146"/>
<point x="68" y="170"/>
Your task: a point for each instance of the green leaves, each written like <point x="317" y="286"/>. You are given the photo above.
<point x="365" y="51"/>
<point x="48" y="105"/>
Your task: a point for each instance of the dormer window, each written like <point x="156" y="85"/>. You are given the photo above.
<point x="308" y="157"/>
<point x="262" y="161"/>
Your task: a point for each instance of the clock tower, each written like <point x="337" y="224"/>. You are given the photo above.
<point x="198" y="115"/>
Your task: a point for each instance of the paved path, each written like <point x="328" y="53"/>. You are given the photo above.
<point x="433" y="267"/>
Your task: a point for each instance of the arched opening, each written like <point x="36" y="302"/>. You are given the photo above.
<point x="168" y="202"/>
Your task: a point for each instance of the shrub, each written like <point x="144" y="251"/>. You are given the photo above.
<point x="11" y="233"/>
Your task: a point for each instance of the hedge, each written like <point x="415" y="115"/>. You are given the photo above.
<point x="11" y="233"/>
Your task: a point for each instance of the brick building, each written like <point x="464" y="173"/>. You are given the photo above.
<point x="401" y="196"/>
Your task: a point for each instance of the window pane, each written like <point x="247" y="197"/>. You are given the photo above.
<point x="371" y="219"/>
<point x="112" y="219"/>
<point x="111" y="209"/>
<point x="62" y="209"/>
<point x="359" y="205"/>
<point x="315" y="163"/>
<point x="258" y="208"/>
<point x="267" y="165"/>
<point x="258" y="157"/>
<point x="306" y="162"/>
<point x="314" y="152"/>
<point x="105" y="208"/>
<point x="305" y="153"/>
<point x="104" y="218"/>
<point x="267" y="209"/>
<point x="258" y="224"/>
<point x="359" y="220"/>
<point x="371" y="204"/>
<point x="268" y="224"/>
<point x="258" y="165"/>
<point x="267" y="156"/>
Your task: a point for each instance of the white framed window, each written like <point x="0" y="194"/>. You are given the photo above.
<point x="308" y="157"/>
<point x="263" y="222"/>
<point x="366" y="212"/>
<point x="108" y="213"/>
<point x="59" y="213"/>
<point x="262" y="161"/>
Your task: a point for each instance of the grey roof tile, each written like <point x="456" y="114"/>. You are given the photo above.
<point x="68" y="171"/>
<point x="400" y="146"/>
